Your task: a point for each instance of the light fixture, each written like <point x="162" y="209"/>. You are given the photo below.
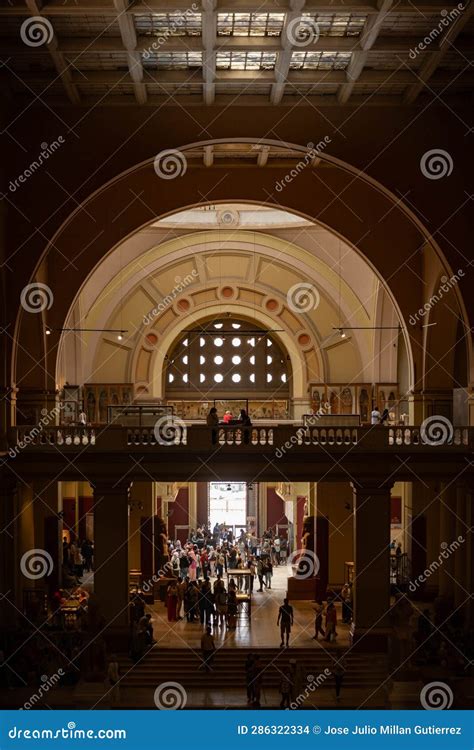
<point x="229" y="488"/>
<point x="342" y="333"/>
<point x="366" y="328"/>
<point x="120" y="337"/>
<point x="119" y="331"/>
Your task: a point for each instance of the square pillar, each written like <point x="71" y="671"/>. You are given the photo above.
<point x="111" y="573"/>
<point x="9" y="563"/>
<point x="370" y="628"/>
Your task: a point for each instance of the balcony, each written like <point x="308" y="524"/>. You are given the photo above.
<point x="185" y="437"/>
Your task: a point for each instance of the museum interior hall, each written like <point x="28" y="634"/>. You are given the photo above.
<point x="237" y="413"/>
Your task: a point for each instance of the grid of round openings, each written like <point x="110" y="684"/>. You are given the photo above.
<point x="227" y="355"/>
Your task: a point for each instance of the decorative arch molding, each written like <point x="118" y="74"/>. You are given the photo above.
<point x="387" y="234"/>
<point x="196" y="247"/>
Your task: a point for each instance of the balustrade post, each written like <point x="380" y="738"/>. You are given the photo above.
<point x="370" y="628"/>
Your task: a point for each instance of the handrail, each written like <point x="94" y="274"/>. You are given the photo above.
<point x="280" y="439"/>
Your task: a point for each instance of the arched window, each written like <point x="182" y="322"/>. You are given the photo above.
<point x="227" y="357"/>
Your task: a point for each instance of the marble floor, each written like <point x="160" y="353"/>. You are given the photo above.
<point x="261" y="632"/>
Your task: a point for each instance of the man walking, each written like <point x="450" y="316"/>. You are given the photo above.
<point x="285" y="621"/>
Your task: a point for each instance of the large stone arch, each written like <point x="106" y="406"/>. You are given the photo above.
<point x="346" y="201"/>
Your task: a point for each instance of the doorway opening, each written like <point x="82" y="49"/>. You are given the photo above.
<point x="228" y="505"/>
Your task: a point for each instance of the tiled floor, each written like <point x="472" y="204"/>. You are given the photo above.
<point x="262" y="631"/>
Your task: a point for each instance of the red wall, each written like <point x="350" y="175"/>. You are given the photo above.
<point x="202" y="501"/>
<point x="275" y="509"/>
<point x="179" y="512"/>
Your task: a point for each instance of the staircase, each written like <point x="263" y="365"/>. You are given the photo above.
<point x="365" y="672"/>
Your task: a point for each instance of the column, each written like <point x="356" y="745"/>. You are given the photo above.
<point x="47" y="529"/>
<point x="9" y="566"/>
<point x="372" y="565"/>
<point x="470" y="552"/>
<point x="461" y="589"/>
<point x="111" y="533"/>
<point x="447" y="504"/>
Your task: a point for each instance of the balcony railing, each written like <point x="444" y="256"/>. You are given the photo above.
<point x="194" y="437"/>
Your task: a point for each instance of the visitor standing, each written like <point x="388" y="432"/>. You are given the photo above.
<point x="338" y="671"/>
<point x="260" y="573"/>
<point x="208" y="648"/>
<point x="331" y="622"/>
<point x="285" y="621"/>
<point x="318" y="621"/>
<point x="375" y="415"/>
